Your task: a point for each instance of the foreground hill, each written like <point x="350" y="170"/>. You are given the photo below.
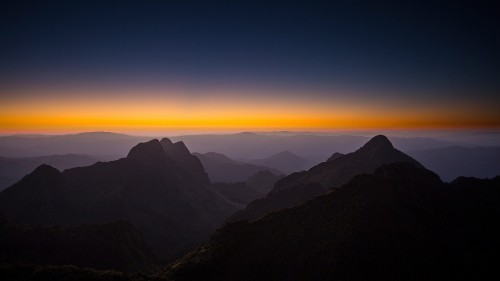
<point x="400" y="223"/>
<point x="299" y="187"/>
<point x="114" y="245"/>
<point x="221" y="168"/>
<point x="69" y="272"/>
<point x="159" y="187"/>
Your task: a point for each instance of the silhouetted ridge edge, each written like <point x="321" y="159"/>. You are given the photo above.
<point x="378" y="142"/>
<point x="147" y="151"/>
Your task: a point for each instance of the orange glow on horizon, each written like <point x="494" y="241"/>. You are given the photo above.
<point x="160" y="113"/>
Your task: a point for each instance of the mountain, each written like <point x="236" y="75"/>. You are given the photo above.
<point x="314" y="146"/>
<point x="299" y="187"/>
<point x="454" y="161"/>
<point x="284" y="161"/>
<point x="221" y="168"/>
<point x="160" y="188"/>
<point x="263" y="181"/>
<point x="13" y="169"/>
<point x="113" y="245"/>
<point x="399" y="223"/>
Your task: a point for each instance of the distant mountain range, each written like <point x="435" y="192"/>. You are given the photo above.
<point x="255" y="187"/>
<point x="159" y="187"/>
<point x="454" y="161"/>
<point x="13" y="169"/>
<point x="314" y="147"/>
<point x="297" y="188"/>
<point x="221" y="168"/>
<point x="284" y="161"/>
<point x="92" y="143"/>
<point x="400" y="223"/>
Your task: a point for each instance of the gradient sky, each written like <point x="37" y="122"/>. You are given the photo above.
<point x="157" y="66"/>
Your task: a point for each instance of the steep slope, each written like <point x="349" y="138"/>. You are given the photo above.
<point x="284" y="161"/>
<point x="400" y="223"/>
<point x="299" y="187"/>
<point x="159" y="187"/>
<point x="114" y="245"/>
<point x="221" y="168"/>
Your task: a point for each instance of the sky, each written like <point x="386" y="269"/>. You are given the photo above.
<point x="201" y="66"/>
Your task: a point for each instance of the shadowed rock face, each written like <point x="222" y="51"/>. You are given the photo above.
<point x="399" y="223"/>
<point x="159" y="187"/>
<point x="183" y="158"/>
<point x="299" y="187"/>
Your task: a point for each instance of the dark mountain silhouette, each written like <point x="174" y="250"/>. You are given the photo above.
<point x="113" y="245"/>
<point x="159" y="187"/>
<point x="284" y="161"/>
<point x="400" y="223"/>
<point x="221" y="168"/>
<point x="13" y="169"/>
<point x="299" y="187"/>
<point x="263" y="181"/>
<point x="454" y="161"/>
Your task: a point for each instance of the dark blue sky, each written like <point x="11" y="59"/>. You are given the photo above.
<point x="446" y="48"/>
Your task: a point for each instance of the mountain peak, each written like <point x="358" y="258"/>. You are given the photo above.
<point x="378" y="142"/>
<point x="165" y="142"/>
<point x="146" y="151"/>
<point x="334" y="156"/>
<point x="45" y="169"/>
<point x="175" y="150"/>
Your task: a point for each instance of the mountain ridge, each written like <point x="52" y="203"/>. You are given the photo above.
<point x="161" y="194"/>
<point x="302" y="186"/>
<point x="399" y="223"/>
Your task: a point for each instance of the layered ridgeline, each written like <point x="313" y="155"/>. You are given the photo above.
<point x="255" y="187"/>
<point x="160" y="188"/>
<point x="221" y="168"/>
<point x="399" y="223"/>
<point x="284" y="161"/>
<point x="299" y="187"/>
